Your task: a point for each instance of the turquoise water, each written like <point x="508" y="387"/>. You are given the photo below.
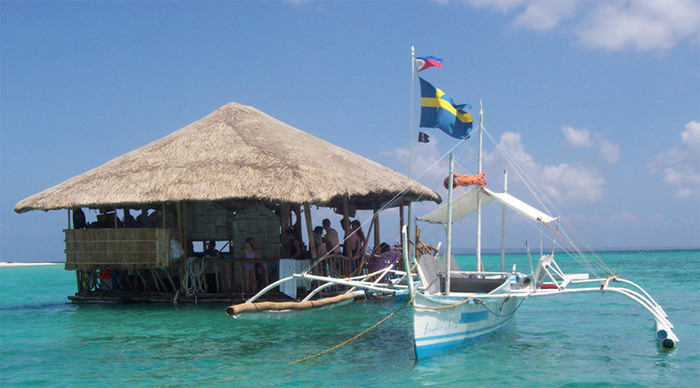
<point x="574" y="341"/>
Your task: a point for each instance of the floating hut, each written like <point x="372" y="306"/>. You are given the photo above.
<point x="234" y="174"/>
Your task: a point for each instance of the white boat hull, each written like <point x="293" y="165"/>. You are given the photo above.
<point x="437" y="329"/>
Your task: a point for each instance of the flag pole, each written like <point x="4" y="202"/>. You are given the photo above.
<point x="413" y="76"/>
<point x="479" y="265"/>
<point x="410" y="142"/>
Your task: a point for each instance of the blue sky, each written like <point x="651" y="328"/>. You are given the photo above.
<point x="599" y="102"/>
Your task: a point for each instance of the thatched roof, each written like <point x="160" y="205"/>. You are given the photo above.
<point x="235" y="153"/>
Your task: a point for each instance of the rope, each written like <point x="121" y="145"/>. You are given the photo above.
<point x="355" y="337"/>
<point x="448" y="306"/>
<point x="193" y="280"/>
<point x="504" y="315"/>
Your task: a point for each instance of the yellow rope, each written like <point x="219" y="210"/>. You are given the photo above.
<point x="353" y="338"/>
<point x="449" y="306"/>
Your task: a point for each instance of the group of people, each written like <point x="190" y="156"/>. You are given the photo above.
<point x="326" y="239"/>
<point x="353" y="240"/>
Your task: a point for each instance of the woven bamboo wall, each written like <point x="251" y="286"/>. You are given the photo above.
<point x="208" y="221"/>
<point x="262" y="225"/>
<point x="125" y="248"/>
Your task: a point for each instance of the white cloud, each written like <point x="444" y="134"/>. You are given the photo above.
<point x="609" y="151"/>
<point x="641" y="24"/>
<point x="644" y="25"/>
<point x="545" y="15"/>
<point x="563" y="183"/>
<point x="681" y="165"/>
<point x="577" y="137"/>
<point x="428" y="167"/>
<point x="573" y="137"/>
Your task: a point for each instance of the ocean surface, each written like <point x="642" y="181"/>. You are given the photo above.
<point x="571" y="341"/>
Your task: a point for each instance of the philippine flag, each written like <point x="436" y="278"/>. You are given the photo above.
<point x="423" y="63"/>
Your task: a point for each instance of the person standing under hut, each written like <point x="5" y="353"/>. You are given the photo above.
<point x="321" y="250"/>
<point x="331" y="237"/>
<point x="293" y="245"/>
<point x="357" y="227"/>
<point x="249" y="253"/>
<point x="320" y="243"/>
<point x="352" y="241"/>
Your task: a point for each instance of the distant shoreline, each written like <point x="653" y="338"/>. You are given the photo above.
<point x="16" y="264"/>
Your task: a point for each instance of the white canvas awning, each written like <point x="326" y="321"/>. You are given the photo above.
<point x="466" y="205"/>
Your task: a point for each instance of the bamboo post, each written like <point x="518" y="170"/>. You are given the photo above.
<point x="415" y="241"/>
<point x="346" y="226"/>
<point x="178" y="220"/>
<point x="310" y="230"/>
<point x="216" y="275"/>
<point x="185" y="237"/>
<point x="160" y="279"/>
<point x="229" y="274"/>
<point x="377" y="239"/>
<point x="401" y="218"/>
<point x="205" y="286"/>
<point x="143" y="281"/>
<point x="170" y="279"/>
<point x="153" y="275"/>
<point x="284" y="216"/>
<point x="284" y="224"/>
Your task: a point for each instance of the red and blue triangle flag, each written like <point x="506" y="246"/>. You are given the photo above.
<point x="423" y="63"/>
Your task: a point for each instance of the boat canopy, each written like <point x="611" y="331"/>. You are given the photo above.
<point x="466" y="205"/>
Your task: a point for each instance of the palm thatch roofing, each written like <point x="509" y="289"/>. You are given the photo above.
<point x="236" y="153"/>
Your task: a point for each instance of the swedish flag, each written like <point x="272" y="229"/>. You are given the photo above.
<point x="439" y="111"/>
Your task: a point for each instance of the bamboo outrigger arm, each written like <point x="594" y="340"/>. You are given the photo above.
<point x="664" y="328"/>
<point x="358" y="282"/>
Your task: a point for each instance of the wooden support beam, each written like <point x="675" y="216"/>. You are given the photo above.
<point x="375" y="216"/>
<point x="216" y="275"/>
<point x="346" y="225"/>
<point x="155" y="280"/>
<point x="143" y="281"/>
<point x="310" y="230"/>
<point x="401" y="218"/>
<point x="170" y="279"/>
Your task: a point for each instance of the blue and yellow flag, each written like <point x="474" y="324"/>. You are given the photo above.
<point x="439" y="111"/>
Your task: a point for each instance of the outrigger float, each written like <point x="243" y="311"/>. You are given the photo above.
<point x="453" y="307"/>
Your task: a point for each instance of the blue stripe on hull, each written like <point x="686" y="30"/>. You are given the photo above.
<point x="455" y="340"/>
<point x="438" y="330"/>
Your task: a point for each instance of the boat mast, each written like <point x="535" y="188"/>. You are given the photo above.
<point x="503" y="224"/>
<point x="450" y="186"/>
<point x="410" y="140"/>
<point x="478" y="192"/>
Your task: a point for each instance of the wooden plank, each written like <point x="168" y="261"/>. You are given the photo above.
<point x="375" y="217"/>
<point x="346" y="228"/>
<point x="309" y="230"/>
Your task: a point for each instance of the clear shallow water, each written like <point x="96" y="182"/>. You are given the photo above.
<point x="574" y="341"/>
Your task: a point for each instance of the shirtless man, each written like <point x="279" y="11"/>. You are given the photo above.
<point x="331" y="237"/>
<point x="353" y="246"/>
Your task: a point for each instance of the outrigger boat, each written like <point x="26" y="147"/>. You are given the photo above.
<point x="453" y="307"/>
